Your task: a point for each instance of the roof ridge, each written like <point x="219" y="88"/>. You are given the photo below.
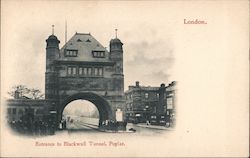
<point x="82" y="33"/>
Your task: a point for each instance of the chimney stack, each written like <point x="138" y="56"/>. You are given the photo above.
<point x="137" y="84"/>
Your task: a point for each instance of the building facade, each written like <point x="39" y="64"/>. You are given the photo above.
<point x="81" y="69"/>
<point x="140" y="102"/>
<point x="150" y="103"/>
<point x="84" y="69"/>
<point x="18" y="109"/>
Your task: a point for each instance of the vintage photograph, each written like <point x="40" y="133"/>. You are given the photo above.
<point x="124" y="78"/>
<point x="84" y="91"/>
<point x="86" y="88"/>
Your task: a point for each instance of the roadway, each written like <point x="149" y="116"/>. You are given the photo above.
<point x="90" y="125"/>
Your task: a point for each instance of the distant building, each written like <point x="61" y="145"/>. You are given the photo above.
<point x="143" y="102"/>
<point x="20" y="109"/>
<point x="170" y="99"/>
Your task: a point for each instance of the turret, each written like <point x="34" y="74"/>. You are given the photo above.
<point x="52" y="53"/>
<point x="116" y="55"/>
<point x="116" y="45"/>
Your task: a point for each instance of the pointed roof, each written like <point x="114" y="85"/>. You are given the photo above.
<point x="116" y="40"/>
<point x="84" y="43"/>
<point x="52" y="37"/>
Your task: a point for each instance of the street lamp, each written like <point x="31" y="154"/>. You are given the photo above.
<point x="146" y="115"/>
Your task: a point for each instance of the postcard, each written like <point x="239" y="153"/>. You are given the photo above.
<point x="124" y="78"/>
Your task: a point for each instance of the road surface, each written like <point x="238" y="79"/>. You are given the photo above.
<point x="90" y="126"/>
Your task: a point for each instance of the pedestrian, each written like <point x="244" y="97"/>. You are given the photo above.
<point x="60" y="125"/>
<point x="64" y="124"/>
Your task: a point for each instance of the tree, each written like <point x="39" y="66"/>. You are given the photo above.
<point x="36" y="93"/>
<point x="22" y="91"/>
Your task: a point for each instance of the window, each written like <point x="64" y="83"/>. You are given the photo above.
<point x="167" y="112"/>
<point x="71" y="70"/>
<point x="14" y="111"/>
<point x="85" y="71"/>
<point x="89" y="71"/>
<point x="157" y="95"/>
<point x="74" y="70"/>
<point x="9" y="110"/>
<point x="71" y="53"/>
<point x="96" y="71"/>
<point x="153" y="117"/>
<point x="169" y="103"/>
<point x="98" y="54"/>
<point x="100" y="71"/>
<point x="164" y="108"/>
<point x="146" y="95"/>
<point x="80" y="71"/>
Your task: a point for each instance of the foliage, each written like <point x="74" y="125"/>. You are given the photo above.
<point x="22" y="91"/>
<point x="36" y="93"/>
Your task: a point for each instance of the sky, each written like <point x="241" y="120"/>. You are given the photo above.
<point x="80" y="108"/>
<point x="149" y="50"/>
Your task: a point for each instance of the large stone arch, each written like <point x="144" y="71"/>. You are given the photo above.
<point x="104" y="108"/>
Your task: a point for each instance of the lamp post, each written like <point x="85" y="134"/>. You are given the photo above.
<point x="146" y="114"/>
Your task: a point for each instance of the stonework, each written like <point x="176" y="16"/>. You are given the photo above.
<point x="84" y="69"/>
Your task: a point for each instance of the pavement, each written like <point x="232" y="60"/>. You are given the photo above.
<point x="153" y="126"/>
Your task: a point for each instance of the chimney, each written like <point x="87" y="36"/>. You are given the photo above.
<point x="137" y="84"/>
<point x="162" y="99"/>
<point x="162" y="85"/>
<point x="16" y="95"/>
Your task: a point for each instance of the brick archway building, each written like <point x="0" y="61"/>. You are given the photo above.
<point x="84" y="69"/>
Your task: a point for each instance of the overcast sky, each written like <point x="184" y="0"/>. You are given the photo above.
<point x="80" y="107"/>
<point x="148" y="39"/>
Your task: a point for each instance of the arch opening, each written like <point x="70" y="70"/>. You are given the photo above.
<point x="80" y="114"/>
<point x="102" y="106"/>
